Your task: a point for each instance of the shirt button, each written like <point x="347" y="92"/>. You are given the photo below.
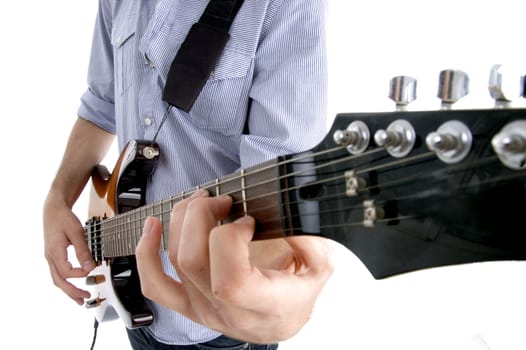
<point x="148" y="121"/>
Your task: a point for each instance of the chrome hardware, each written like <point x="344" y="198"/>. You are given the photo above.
<point x="150" y="152"/>
<point x="356" y="137"/>
<point x="505" y="84"/>
<point x="402" y="90"/>
<point x="522" y="92"/>
<point x="353" y="183"/>
<point x="452" y="86"/>
<point x="496" y="87"/>
<point x="371" y="213"/>
<point x="95" y="302"/>
<point x="451" y="142"/>
<point x="510" y="145"/>
<point x="398" y="139"/>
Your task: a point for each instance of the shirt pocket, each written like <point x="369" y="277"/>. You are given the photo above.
<point x="223" y="102"/>
<point x="124" y="51"/>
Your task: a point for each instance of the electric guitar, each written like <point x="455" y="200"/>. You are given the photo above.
<point x="403" y="191"/>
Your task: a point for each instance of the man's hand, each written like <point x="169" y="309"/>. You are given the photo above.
<point x="220" y="287"/>
<point x="62" y="229"/>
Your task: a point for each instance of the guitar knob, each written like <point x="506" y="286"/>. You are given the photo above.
<point x="452" y="86"/>
<point x="356" y="137"/>
<point x="451" y="142"/>
<point x="402" y="90"/>
<point x="95" y="302"/>
<point x="510" y="145"/>
<point x="95" y="279"/>
<point x="399" y="138"/>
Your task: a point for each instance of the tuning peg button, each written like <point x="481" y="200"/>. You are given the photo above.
<point x="522" y="92"/>
<point x="452" y="86"/>
<point x="402" y="90"/>
<point x="504" y="85"/>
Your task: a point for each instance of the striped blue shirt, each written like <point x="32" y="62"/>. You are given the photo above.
<point x="270" y="78"/>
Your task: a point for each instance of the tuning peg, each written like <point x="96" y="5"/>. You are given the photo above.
<point x="399" y="138"/>
<point x="510" y="145"/>
<point x="356" y="137"/>
<point x="522" y="92"/>
<point x="402" y="90"/>
<point x="502" y="87"/>
<point x="451" y="142"/>
<point x="452" y="86"/>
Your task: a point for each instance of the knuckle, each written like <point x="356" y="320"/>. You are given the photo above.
<point x="197" y="205"/>
<point x="187" y="262"/>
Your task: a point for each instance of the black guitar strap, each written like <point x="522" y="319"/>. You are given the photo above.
<point x="199" y="53"/>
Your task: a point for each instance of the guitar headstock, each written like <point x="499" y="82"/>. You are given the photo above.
<point x="407" y="190"/>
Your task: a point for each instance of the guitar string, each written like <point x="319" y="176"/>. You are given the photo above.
<point x="153" y="211"/>
<point x="129" y="223"/>
<point x="211" y="186"/>
<point x="413" y="196"/>
<point x="365" y="170"/>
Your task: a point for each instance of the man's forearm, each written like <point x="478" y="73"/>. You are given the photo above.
<point x="86" y="147"/>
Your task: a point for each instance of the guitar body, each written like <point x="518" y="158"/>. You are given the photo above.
<point x="116" y="280"/>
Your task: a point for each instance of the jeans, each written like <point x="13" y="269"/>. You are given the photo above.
<point x="140" y="339"/>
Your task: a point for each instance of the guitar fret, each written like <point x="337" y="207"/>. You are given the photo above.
<point x="139" y="220"/>
<point x="123" y="232"/>
<point x="157" y="214"/>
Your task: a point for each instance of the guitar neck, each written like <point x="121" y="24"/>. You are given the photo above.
<point x="398" y="209"/>
<point x="255" y="192"/>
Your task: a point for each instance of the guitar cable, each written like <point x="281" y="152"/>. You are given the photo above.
<point x="95" y="328"/>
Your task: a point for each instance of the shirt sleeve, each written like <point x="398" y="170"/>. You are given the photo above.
<point x="289" y="93"/>
<point x="97" y="103"/>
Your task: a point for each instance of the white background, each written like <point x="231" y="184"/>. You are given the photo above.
<point x="45" y="47"/>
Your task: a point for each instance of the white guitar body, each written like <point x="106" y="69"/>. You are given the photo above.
<point x="105" y="304"/>
<point x="114" y="283"/>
